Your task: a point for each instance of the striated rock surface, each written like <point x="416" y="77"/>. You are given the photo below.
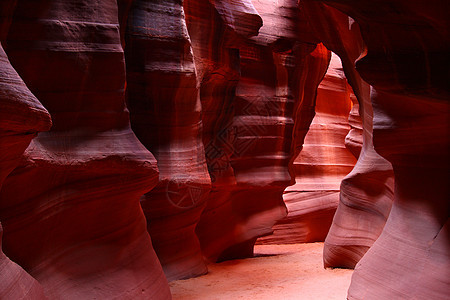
<point x="240" y="16"/>
<point x="321" y="165"/>
<point x="72" y="224"/>
<point x="217" y="64"/>
<point x="165" y="114"/>
<point x="15" y="282"/>
<point x="414" y="244"/>
<point x="366" y="197"/>
<point x="78" y="227"/>
<point x="21" y="117"/>
<point x="248" y="124"/>
<point x="366" y="192"/>
<point x="407" y="64"/>
<point x="348" y="238"/>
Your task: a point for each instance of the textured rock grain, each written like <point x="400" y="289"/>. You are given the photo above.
<point x="366" y="192"/>
<point x="407" y="65"/>
<point x="217" y="64"/>
<point x="321" y="164"/>
<point x="244" y="88"/>
<point x="165" y="114"/>
<point x="78" y="227"/>
<point x="22" y="116"/>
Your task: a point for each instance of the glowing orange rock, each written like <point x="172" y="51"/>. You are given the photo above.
<point x="321" y="165"/>
<point x="407" y="65"/>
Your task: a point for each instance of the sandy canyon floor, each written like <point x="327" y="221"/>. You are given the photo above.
<point x="276" y="272"/>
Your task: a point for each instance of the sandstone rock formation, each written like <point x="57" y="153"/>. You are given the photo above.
<point x="77" y="227"/>
<point x="321" y="165"/>
<point x="247" y="122"/>
<point x="217" y="64"/>
<point x="21" y="117"/>
<point x="318" y="22"/>
<point x="406" y="63"/>
<point x="165" y="115"/>
<point x="365" y="193"/>
<point x="15" y="282"/>
<point x="223" y="93"/>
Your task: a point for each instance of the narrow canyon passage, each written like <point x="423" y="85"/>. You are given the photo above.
<point x="287" y="272"/>
<point x="224" y="149"/>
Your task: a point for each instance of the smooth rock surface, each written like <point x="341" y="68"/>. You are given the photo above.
<point x="321" y="165"/>
<point x="366" y="193"/>
<point x="22" y="116"/>
<point x="15" y="283"/>
<point x="165" y="115"/>
<point x="407" y="65"/>
<point x="78" y="227"/>
<point x="247" y="123"/>
<point x="217" y="67"/>
<point x="247" y="72"/>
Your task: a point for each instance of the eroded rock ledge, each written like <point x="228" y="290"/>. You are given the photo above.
<point x="141" y="139"/>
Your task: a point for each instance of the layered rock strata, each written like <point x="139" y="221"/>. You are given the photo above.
<point x="78" y="227"/>
<point x="248" y="124"/>
<point x="321" y="165"/>
<point x="348" y="238"/>
<point x="22" y="116"/>
<point x="406" y="63"/>
<point x="366" y="192"/>
<point x="217" y="64"/>
<point x="15" y="282"/>
<point x="165" y="115"/>
<point x="244" y="121"/>
<point x="69" y="202"/>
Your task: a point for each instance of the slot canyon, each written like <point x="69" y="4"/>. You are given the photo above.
<point x="146" y="145"/>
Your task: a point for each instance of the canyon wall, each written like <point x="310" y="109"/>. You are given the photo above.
<point x="70" y="210"/>
<point x="407" y="65"/>
<point x="320" y="166"/>
<point x="366" y="192"/>
<point x="247" y="114"/>
<point x="165" y="111"/>
<point x="216" y="60"/>
<point x="22" y="116"/>
<point x="229" y="97"/>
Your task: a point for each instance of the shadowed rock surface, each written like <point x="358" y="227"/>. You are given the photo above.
<point x="407" y="65"/>
<point x="78" y="227"/>
<point x="321" y="165"/>
<point x="366" y="192"/>
<point x="165" y="115"/>
<point x="247" y="123"/>
<point x="22" y="116"/>
<point x="225" y="94"/>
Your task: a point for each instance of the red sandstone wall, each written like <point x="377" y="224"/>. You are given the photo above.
<point x="223" y="93"/>
<point x="165" y="115"/>
<point x="321" y="165"/>
<point x="70" y="211"/>
<point x="406" y="63"/>
<point x="246" y="123"/>
<point x="366" y="192"/>
<point x="21" y="117"/>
